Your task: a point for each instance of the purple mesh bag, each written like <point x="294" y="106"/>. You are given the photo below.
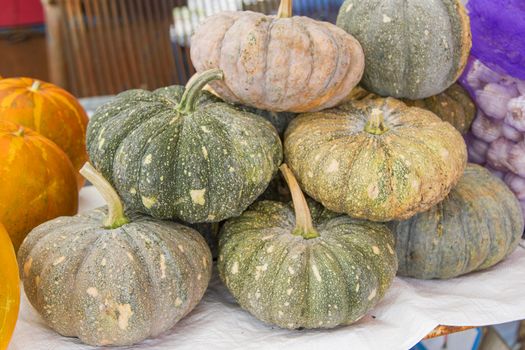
<point x="498" y="34"/>
<point x="495" y="77"/>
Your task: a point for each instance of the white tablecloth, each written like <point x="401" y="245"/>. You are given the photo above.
<point x="410" y="310"/>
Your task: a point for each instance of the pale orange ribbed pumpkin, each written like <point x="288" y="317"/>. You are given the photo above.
<point x="9" y="289"/>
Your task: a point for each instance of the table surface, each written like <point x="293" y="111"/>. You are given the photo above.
<point x="410" y="311"/>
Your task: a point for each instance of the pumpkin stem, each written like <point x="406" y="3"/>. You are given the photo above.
<point x="194" y="87"/>
<point x="376" y="123"/>
<point x="20" y="132"/>
<point x="303" y="219"/>
<point x="285" y="9"/>
<point x="116" y="216"/>
<point x="36" y="85"/>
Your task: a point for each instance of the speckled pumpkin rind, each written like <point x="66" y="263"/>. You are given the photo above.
<point x="292" y="64"/>
<point x="475" y="227"/>
<point x="392" y="176"/>
<point x="205" y="166"/>
<point x="413" y="48"/>
<point x="292" y="282"/>
<point x="113" y="287"/>
<point x="454" y="105"/>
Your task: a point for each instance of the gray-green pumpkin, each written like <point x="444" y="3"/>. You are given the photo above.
<point x="297" y="270"/>
<point x="113" y="282"/>
<point x="477" y="225"/>
<point x="413" y="48"/>
<point x="182" y="153"/>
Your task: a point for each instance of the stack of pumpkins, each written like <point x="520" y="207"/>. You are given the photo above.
<point x="42" y="145"/>
<point x="385" y="177"/>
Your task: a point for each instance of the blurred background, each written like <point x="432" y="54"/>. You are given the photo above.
<point x="101" y="47"/>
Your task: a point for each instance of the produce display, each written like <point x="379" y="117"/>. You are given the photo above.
<point x="475" y="227"/>
<point x="300" y="269"/>
<point x="187" y="168"/>
<point x="38" y="181"/>
<point x="9" y="288"/>
<point x="48" y="110"/>
<point x="375" y="159"/>
<point x="181" y="153"/>
<point x="413" y="48"/>
<point x="112" y="279"/>
<point x="256" y="53"/>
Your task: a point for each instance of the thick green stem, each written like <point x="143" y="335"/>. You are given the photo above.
<point x="116" y="216"/>
<point x="194" y="87"/>
<point x="35" y="86"/>
<point x="303" y="219"/>
<point x="376" y="123"/>
<point x="285" y="9"/>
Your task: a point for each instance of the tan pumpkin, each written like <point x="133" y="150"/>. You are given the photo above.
<point x="281" y="63"/>
<point x="375" y="159"/>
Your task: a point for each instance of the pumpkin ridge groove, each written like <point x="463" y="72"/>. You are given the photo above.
<point x="267" y="44"/>
<point x="282" y="258"/>
<point x="220" y="63"/>
<point x="144" y="154"/>
<point x="146" y="265"/>
<point x="290" y="60"/>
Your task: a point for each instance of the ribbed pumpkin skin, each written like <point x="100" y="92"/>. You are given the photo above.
<point x="50" y="111"/>
<point x="38" y="182"/>
<point x="292" y="282"/>
<point x="292" y="64"/>
<point x="475" y="227"/>
<point x="406" y="170"/>
<point x="454" y="105"/>
<point x="113" y="287"/>
<point x="413" y="48"/>
<point x="205" y="166"/>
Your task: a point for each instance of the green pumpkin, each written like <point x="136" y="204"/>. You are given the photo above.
<point x="475" y="227"/>
<point x="375" y="159"/>
<point x="298" y="270"/>
<point x="116" y="281"/>
<point x="454" y="105"/>
<point x="413" y="48"/>
<point x="182" y="153"/>
<point x="279" y="120"/>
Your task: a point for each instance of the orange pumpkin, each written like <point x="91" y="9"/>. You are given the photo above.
<point x="49" y="110"/>
<point x="9" y="289"/>
<point x="38" y="182"/>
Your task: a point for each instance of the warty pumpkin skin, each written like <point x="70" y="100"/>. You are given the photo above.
<point x="413" y="48"/>
<point x="278" y="63"/>
<point x="38" y="182"/>
<point x="375" y="159"/>
<point x="299" y="270"/>
<point x="180" y="153"/>
<point x="50" y="111"/>
<point x="9" y="289"/>
<point x="477" y="225"/>
<point x="454" y="105"/>
<point x="113" y="281"/>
